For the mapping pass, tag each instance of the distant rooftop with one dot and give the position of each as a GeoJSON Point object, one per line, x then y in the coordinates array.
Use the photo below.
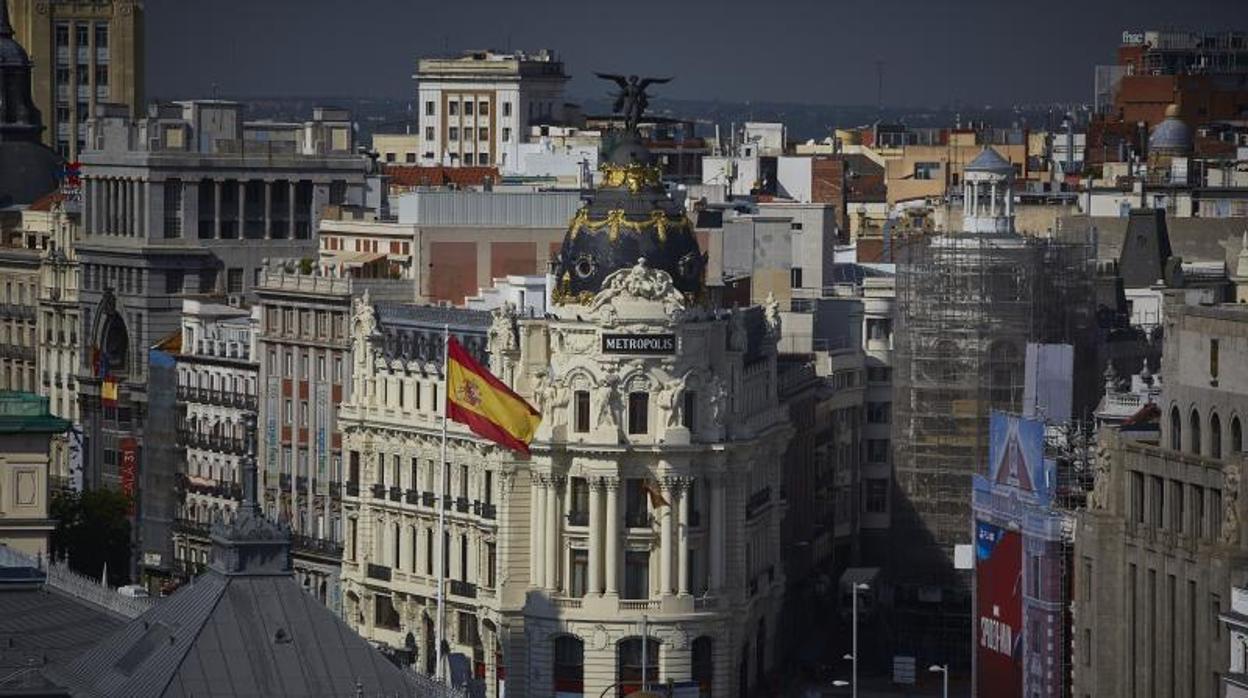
{"type": "Point", "coordinates": [28, 413]}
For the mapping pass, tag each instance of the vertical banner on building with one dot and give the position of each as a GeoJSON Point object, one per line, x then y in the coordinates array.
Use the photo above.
{"type": "Point", "coordinates": [322, 432]}
{"type": "Point", "coordinates": [999, 611]}
{"type": "Point", "coordinates": [128, 467]}
{"type": "Point", "coordinates": [273, 395]}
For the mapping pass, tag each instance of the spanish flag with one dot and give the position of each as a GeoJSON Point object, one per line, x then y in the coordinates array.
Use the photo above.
{"type": "Point", "coordinates": [491, 410]}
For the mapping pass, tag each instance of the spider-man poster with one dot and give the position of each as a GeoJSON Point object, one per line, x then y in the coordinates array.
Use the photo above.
{"type": "Point", "coordinates": [999, 622]}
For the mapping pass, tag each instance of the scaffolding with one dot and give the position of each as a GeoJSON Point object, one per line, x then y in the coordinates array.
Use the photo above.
{"type": "Point", "coordinates": [967, 306]}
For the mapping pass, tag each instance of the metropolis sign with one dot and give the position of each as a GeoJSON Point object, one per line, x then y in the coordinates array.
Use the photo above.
{"type": "Point", "coordinates": [638, 343]}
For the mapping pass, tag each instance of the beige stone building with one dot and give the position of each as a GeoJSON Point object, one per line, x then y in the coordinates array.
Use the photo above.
{"type": "Point", "coordinates": [84, 53]}
{"type": "Point", "coordinates": [1162, 546]}
{"type": "Point", "coordinates": [25, 427]}
{"type": "Point", "coordinates": [652, 498]}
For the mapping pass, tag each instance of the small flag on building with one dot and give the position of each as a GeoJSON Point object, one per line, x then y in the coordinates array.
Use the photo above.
{"type": "Point", "coordinates": [108, 392]}
{"type": "Point", "coordinates": [656, 495]}
{"type": "Point", "coordinates": [476, 397]}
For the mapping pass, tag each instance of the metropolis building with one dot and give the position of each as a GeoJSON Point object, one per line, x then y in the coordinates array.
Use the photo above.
{"type": "Point", "coordinates": [642, 534]}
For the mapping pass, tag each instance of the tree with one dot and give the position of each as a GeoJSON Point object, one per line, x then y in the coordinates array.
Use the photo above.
{"type": "Point", "coordinates": [93, 528]}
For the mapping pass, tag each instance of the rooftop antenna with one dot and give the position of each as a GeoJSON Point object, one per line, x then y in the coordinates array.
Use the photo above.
{"type": "Point", "coordinates": [879, 88]}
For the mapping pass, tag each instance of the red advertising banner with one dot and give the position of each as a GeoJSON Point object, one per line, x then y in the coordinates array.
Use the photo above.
{"type": "Point", "coordinates": [128, 466]}
{"type": "Point", "coordinates": [999, 602]}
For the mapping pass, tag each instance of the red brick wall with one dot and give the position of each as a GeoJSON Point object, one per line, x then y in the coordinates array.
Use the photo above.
{"type": "Point", "coordinates": [513, 258]}
{"type": "Point", "coordinates": [453, 272]}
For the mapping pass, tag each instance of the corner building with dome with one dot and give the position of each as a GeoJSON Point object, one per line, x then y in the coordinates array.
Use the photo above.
{"type": "Point", "coordinates": [650, 506]}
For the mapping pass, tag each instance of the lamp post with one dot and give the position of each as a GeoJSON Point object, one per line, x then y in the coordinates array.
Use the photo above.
{"type": "Point", "coordinates": [942, 669]}
{"type": "Point", "coordinates": [858, 586]}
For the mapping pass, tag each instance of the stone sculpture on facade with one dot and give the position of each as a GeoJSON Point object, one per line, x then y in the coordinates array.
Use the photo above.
{"type": "Point", "coordinates": [643, 283]}
{"type": "Point", "coordinates": [1230, 504]}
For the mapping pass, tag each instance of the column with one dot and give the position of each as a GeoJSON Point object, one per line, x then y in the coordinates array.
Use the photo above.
{"type": "Point", "coordinates": [595, 536]}
{"type": "Point", "coordinates": [992, 199]}
{"type": "Point", "coordinates": [110, 205]}
{"type": "Point", "coordinates": [290, 217]}
{"type": "Point", "coordinates": [717, 534]}
{"type": "Point", "coordinates": [682, 537]}
{"type": "Point", "coordinates": [665, 545]}
{"type": "Point", "coordinates": [554, 547]}
{"type": "Point", "coordinates": [612, 533]}
{"type": "Point", "coordinates": [216, 209]}
{"type": "Point", "coordinates": [539, 532]}
{"type": "Point", "coordinates": [242, 208]}
{"type": "Point", "coordinates": [145, 213]}
{"type": "Point", "coordinates": [135, 207]}
{"type": "Point", "coordinates": [268, 209]}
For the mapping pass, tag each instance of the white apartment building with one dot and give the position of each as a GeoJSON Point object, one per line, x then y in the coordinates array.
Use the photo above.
{"type": "Point", "coordinates": [651, 500]}
{"type": "Point", "coordinates": [475, 109]}
{"type": "Point", "coordinates": [57, 322]}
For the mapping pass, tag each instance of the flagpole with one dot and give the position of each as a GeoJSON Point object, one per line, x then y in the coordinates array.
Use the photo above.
{"type": "Point", "coordinates": [446, 398]}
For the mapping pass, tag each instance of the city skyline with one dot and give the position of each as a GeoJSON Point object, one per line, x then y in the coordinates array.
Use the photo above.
{"type": "Point", "coordinates": [972, 53]}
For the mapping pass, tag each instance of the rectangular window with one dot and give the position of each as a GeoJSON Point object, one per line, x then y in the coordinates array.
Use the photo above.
{"type": "Point", "coordinates": [491, 565]}
{"type": "Point", "coordinates": [579, 509]}
{"type": "Point", "coordinates": [879, 329]}
{"type": "Point", "coordinates": [452, 108]}
{"type": "Point", "coordinates": [483, 109]}
{"type": "Point", "coordinates": [506, 108]}
{"type": "Point", "coordinates": [468, 108]}
{"type": "Point", "coordinates": [234, 281]}
{"type": "Point", "coordinates": [62, 34]}
{"type": "Point", "coordinates": [452, 133]}
{"type": "Point", "coordinates": [429, 108]}
{"type": "Point", "coordinates": [483, 134]}
{"type": "Point", "coordinates": [638, 413]}
{"type": "Point", "coordinates": [1137, 496]}
{"type": "Point", "coordinates": [1177, 513]}
{"type": "Point", "coordinates": [1213, 360]}
{"type": "Point", "coordinates": [879, 412]}
{"type": "Point", "coordinates": [101, 76]}
{"type": "Point", "coordinates": [636, 513]}
{"type": "Point", "coordinates": [688, 415]}
{"type": "Point", "coordinates": [926, 170]}
{"type": "Point", "coordinates": [876, 498]}
{"type": "Point", "coordinates": [636, 574]}
{"type": "Point", "coordinates": [429, 133]}
{"type": "Point", "coordinates": [581, 405]}
{"type": "Point", "coordinates": [82, 36]}
{"type": "Point", "coordinates": [1198, 511]}
{"type": "Point", "coordinates": [506, 134]}
{"type": "Point", "coordinates": [173, 281]}
{"type": "Point", "coordinates": [580, 572]}
{"type": "Point", "coordinates": [101, 36]}
{"type": "Point", "coordinates": [795, 277]}
{"type": "Point", "coordinates": [173, 208]}
{"type": "Point", "coordinates": [1157, 506]}
{"type": "Point", "coordinates": [877, 450]}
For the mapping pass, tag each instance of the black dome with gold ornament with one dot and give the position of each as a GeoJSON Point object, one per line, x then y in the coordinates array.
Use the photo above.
{"type": "Point", "coordinates": [628, 217]}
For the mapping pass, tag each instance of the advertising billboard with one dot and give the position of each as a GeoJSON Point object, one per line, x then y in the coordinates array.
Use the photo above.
{"type": "Point", "coordinates": [999, 611]}
{"type": "Point", "coordinates": [1016, 459]}
{"type": "Point", "coordinates": [128, 468]}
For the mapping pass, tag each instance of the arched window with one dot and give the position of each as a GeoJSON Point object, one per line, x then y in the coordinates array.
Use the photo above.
{"type": "Point", "coordinates": [629, 664]}
{"type": "Point", "coordinates": [569, 669]}
{"type": "Point", "coordinates": [703, 670]}
{"type": "Point", "coordinates": [1237, 435]}
{"type": "Point", "coordinates": [1215, 435]}
{"type": "Point", "coordinates": [1176, 430]}
{"type": "Point", "coordinates": [1193, 425]}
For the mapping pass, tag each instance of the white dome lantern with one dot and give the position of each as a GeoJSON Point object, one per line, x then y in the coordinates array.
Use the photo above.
{"type": "Point", "coordinates": [988, 194]}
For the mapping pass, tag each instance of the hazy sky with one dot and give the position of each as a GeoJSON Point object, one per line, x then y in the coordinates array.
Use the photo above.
{"type": "Point", "coordinates": [935, 52]}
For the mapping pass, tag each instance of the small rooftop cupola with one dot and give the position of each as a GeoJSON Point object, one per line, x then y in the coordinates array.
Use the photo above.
{"type": "Point", "coordinates": [250, 544]}
{"type": "Point", "coordinates": [1172, 137]}
{"type": "Point", "coordinates": [988, 194]}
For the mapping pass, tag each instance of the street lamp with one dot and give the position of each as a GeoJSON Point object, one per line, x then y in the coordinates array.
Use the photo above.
{"type": "Point", "coordinates": [858, 586]}
{"type": "Point", "coordinates": [942, 670]}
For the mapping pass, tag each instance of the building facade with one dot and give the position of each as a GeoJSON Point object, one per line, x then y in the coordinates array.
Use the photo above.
{"type": "Point", "coordinates": [58, 325]}
{"type": "Point", "coordinates": [1161, 548]}
{"type": "Point", "coordinates": [26, 427]}
{"type": "Point", "coordinates": [476, 108]}
{"type": "Point", "coordinates": [640, 541]}
{"type": "Point", "coordinates": [85, 53]}
{"type": "Point", "coordinates": [304, 353]}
